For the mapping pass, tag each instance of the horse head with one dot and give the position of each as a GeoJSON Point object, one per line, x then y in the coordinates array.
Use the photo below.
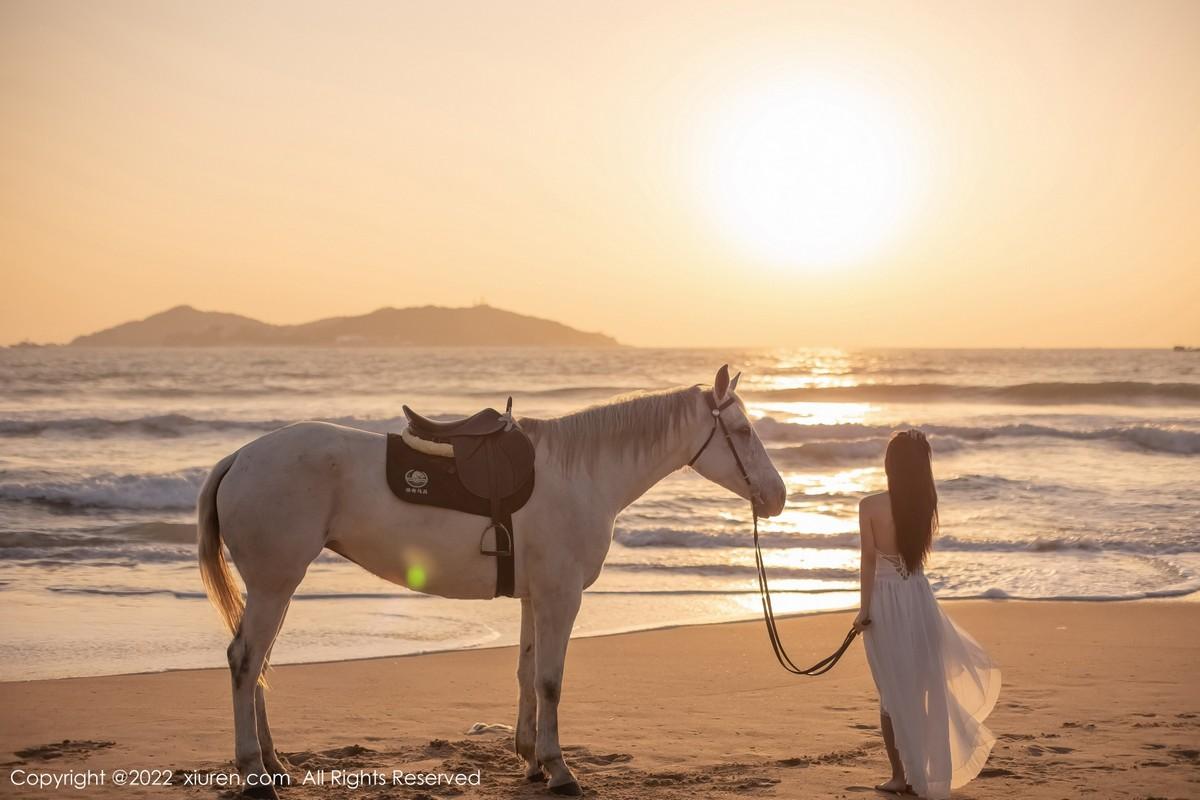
{"type": "Point", "coordinates": [730, 453]}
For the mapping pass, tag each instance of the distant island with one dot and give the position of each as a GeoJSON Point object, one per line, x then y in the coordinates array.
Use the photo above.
{"type": "Point", "coordinates": [481, 325]}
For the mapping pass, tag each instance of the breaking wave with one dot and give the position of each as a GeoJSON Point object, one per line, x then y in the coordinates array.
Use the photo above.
{"type": "Point", "coordinates": [850, 440]}
{"type": "Point", "coordinates": [821, 442]}
{"type": "Point", "coordinates": [1105, 392]}
{"type": "Point", "coordinates": [693, 539]}
{"type": "Point", "coordinates": [160, 425]}
{"type": "Point", "coordinates": [738, 570]}
{"type": "Point", "coordinates": [156, 491]}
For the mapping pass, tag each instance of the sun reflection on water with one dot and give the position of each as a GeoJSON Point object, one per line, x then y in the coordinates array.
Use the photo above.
{"type": "Point", "coordinates": [807, 521]}
{"type": "Point", "coordinates": [844, 482]}
{"type": "Point", "coordinates": [812, 380]}
{"type": "Point", "coordinates": [811, 558]}
{"type": "Point", "coordinates": [800, 413]}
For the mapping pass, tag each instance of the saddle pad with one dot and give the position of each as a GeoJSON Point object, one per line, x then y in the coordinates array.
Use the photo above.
{"type": "Point", "coordinates": [417, 477]}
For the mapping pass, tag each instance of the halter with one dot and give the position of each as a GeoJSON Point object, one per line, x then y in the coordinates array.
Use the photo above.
{"type": "Point", "coordinates": [785, 661]}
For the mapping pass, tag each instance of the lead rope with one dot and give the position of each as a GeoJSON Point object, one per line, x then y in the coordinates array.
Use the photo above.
{"type": "Point", "coordinates": [785, 661]}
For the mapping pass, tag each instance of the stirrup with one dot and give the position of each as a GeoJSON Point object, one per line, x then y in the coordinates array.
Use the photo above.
{"type": "Point", "coordinates": [508, 540]}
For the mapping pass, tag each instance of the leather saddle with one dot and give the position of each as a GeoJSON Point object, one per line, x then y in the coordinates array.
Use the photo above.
{"type": "Point", "coordinates": [484, 423]}
{"type": "Point", "coordinates": [493, 456]}
{"type": "Point", "coordinates": [482, 464]}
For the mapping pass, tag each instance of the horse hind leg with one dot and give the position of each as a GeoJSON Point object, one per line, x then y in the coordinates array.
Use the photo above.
{"type": "Point", "coordinates": [247, 657]}
{"type": "Point", "coordinates": [266, 743]}
{"type": "Point", "coordinates": [271, 761]}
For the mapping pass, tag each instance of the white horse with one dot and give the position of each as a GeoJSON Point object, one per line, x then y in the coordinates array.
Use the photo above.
{"type": "Point", "coordinates": [286, 496]}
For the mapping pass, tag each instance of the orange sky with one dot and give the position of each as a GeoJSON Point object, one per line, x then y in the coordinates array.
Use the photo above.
{"type": "Point", "coordinates": [296, 160]}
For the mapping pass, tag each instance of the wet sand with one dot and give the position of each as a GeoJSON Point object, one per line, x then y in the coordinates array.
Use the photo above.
{"type": "Point", "coordinates": [1099, 699]}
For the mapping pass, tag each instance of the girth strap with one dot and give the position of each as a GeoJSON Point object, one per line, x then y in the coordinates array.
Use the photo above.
{"type": "Point", "coordinates": [502, 526]}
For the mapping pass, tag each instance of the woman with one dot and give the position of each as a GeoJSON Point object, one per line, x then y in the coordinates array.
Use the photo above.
{"type": "Point", "coordinates": [936, 684]}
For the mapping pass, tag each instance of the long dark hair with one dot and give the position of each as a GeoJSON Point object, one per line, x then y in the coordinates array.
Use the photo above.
{"type": "Point", "coordinates": [909, 467]}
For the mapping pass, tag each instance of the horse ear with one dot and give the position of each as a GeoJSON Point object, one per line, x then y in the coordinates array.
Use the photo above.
{"type": "Point", "coordinates": [733, 383]}
{"type": "Point", "coordinates": [721, 383]}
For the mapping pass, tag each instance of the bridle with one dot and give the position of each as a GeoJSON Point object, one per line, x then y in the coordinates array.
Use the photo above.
{"type": "Point", "coordinates": [785, 661]}
{"type": "Point", "coordinates": [718, 422]}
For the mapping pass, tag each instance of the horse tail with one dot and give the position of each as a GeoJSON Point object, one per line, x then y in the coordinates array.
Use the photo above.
{"type": "Point", "coordinates": [219, 583]}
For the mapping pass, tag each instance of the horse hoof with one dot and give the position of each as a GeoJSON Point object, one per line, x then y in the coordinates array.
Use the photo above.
{"type": "Point", "coordinates": [568, 789]}
{"type": "Point", "coordinates": [537, 777]}
{"type": "Point", "coordinates": [261, 792]}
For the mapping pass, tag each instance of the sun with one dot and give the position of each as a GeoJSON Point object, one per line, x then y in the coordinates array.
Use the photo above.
{"type": "Point", "coordinates": [807, 173]}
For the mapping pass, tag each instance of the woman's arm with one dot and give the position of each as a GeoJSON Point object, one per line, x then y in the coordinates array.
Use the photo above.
{"type": "Point", "coordinates": [866, 573]}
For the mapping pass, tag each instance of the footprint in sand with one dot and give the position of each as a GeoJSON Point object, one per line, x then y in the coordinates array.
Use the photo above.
{"type": "Point", "coordinates": [1186, 755]}
{"type": "Point", "coordinates": [64, 749]}
{"type": "Point", "coordinates": [1037, 750]}
{"type": "Point", "coordinates": [670, 779]}
{"type": "Point", "coordinates": [605, 760]}
{"type": "Point", "coordinates": [337, 758]}
{"type": "Point", "coordinates": [753, 783]}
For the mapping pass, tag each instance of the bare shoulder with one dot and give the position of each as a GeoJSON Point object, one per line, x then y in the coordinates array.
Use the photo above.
{"type": "Point", "coordinates": [872, 504]}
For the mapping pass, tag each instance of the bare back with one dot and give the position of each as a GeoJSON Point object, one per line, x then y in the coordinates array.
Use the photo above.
{"type": "Point", "coordinates": [877, 513]}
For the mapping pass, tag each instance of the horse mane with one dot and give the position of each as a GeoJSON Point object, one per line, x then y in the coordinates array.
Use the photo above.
{"type": "Point", "coordinates": [641, 419]}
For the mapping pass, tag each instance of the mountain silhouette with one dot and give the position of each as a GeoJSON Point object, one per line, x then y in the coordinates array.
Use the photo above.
{"type": "Point", "coordinates": [481, 325]}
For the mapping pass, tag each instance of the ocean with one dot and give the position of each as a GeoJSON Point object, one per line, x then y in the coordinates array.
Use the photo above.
{"type": "Point", "coordinates": [1062, 474]}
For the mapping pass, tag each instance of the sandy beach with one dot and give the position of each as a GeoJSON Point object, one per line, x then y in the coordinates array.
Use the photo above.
{"type": "Point", "coordinates": [331, 314]}
{"type": "Point", "coordinates": [1099, 700]}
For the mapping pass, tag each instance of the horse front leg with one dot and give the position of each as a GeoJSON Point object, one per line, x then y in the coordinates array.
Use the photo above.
{"type": "Point", "coordinates": [527, 699]}
{"type": "Point", "coordinates": [553, 619]}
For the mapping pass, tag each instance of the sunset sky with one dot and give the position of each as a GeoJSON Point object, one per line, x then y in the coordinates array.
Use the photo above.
{"type": "Point", "coordinates": [692, 173]}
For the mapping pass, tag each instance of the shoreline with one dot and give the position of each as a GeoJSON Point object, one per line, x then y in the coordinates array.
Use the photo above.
{"type": "Point", "coordinates": [699, 710]}
{"type": "Point", "coordinates": [1188, 596]}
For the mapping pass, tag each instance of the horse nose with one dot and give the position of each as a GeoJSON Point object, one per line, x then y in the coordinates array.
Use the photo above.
{"type": "Point", "coordinates": [771, 502]}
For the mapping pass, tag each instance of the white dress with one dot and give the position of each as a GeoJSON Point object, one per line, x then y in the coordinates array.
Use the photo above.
{"type": "Point", "coordinates": [935, 682]}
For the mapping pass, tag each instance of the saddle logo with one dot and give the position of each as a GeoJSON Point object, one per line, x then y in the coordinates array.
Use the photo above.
{"type": "Point", "coordinates": [417, 480]}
